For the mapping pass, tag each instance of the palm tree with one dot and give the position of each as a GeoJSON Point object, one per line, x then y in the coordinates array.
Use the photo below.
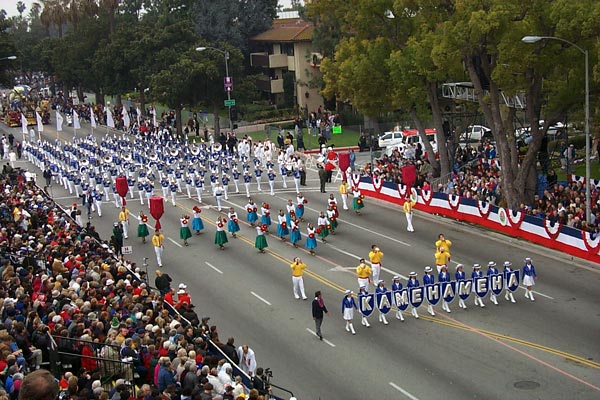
{"type": "Point", "coordinates": [53, 13]}
{"type": "Point", "coordinates": [111, 6]}
{"type": "Point", "coordinates": [20, 8]}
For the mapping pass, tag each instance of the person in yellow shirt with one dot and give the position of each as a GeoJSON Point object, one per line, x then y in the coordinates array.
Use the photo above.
{"type": "Point", "coordinates": [408, 211]}
{"type": "Point", "coordinates": [364, 273]}
{"type": "Point", "coordinates": [344, 187]}
{"type": "Point", "coordinates": [443, 242]}
{"type": "Point", "coordinates": [124, 219]}
{"type": "Point", "coordinates": [442, 258]}
{"type": "Point", "coordinates": [375, 256]}
{"type": "Point", "coordinates": [157, 241]}
{"type": "Point", "coordinates": [297, 281]}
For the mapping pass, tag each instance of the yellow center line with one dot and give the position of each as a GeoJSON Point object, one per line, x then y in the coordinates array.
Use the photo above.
{"type": "Point", "coordinates": [448, 323]}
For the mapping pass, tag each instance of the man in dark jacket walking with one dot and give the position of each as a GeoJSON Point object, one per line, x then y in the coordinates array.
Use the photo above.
{"type": "Point", "coordinates": [162, 282]}
{"type": "Point", "coordinates": [322, 177]}
{"type": "Point", "coordinates": [318, 311]}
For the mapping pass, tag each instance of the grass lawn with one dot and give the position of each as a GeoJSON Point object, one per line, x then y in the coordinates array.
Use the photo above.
{"type": "Point", "coordinates": [579, 170]}
{"type": "Point", "coordinates": [348, 137]}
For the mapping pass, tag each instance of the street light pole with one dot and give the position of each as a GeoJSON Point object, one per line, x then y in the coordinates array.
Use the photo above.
{"type": "Point", "coordinates": [588, 194]}
{"type": "Point", "coordinates": [226, 55]}
{"type": "Point", "coordinates": [8, 58]}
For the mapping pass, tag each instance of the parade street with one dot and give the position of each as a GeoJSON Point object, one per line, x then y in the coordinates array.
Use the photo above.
{"type": "Point", "coordinates": [546, 349]}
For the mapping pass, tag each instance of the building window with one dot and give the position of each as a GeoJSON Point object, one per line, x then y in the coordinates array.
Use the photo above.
{"type": "Point", "coordinates": [287, 48]}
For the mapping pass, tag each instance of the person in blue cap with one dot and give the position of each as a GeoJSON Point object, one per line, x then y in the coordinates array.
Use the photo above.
{"type": "Point", "coordinates": [397, 285]}
{"type": "Point", "coordinates": [413, 282]}
{"type": "Point", "coordinates": [508, 295]}
{"type": "Point", "coordinates": [529, 276]}
{"type": "Point", "coordinates": [492, 270]}
{"type": "Point", "coordinates": [477, 274]}
{"type": "Point", "coordinates": [348, 306]}
{"type": "Point", "coordinates": [429, 279]}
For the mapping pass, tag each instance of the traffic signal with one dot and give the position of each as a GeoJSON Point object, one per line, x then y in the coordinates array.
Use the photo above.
{"type": "Point", "coordinates": [233, 113]}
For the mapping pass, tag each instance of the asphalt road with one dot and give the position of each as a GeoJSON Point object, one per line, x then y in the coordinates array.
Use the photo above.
{"type": "Point", "coordinates": [547, 349]}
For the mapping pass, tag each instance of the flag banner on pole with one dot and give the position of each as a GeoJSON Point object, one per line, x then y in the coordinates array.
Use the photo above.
{"type": "Point", "coordinates": [139, 115]}
{"type": "Point", "coordinates": [40, 124]}
{"type": "Point", "coordinates": [24, 123]}
{"type": "Point", "coordinates": [92, 118]}
{"type": "Point", "coordinates": [126, 119]}
{"type": "Point", "coordinates": [59, 121]}
{"type": "Point", "coordinates": [76, 124]}
{"type": "Point", "coordinates": [110, 122]}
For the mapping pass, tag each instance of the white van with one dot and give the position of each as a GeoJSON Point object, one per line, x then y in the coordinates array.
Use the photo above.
{"type": "Point", "coordinates": [390, 139]}
{"type": "Point", "coordinates": [412, 137]}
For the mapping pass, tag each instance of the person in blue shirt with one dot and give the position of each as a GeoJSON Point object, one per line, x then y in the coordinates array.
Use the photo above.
{"type": "Point", "coordinates": [529, 276]}
{"type": "Point", "coordinates": [348, 307]}
{"type": "Point", "coordinates": [98, 202]}
{"type": "Point", "coordinates": [247, 180]}
{"type": "Point", "coordinates": [271, 175]}
{"type": "Point", "coordinates": [199, 185]}
{"type": "Point", "coordinates": [492, 270]}
{"type": "Point", "coordinates": [459, 275]}
{"type": "Point", "coordinates": [508, 295]}
{"type": "Point", "coordinates": [225, 182]}
{"type": "Point", "coordinates": [444, 276]}
{"type": "Point", "coordinates": [188, 185]}
{"type": "Point", "coordinates": [235, 174]}
{"type": "Point", "coordinates": [477, 274]}
{"type": "Point", "coordinates": [413, 282]}
{"type": "Point", "coordinates": [173, 189]}
{"type": "Point", "coordinates": [164, 183]}
{"type": "Point", "coordinates": [258, 172]}
{"type": "Point", "coordinates": [140, 188]}
{"type": "Point", "coordinates": [397, 285]}
{"type": "Point", "coordinates": [381, 289]}
{"type": "Point", "coordinates": [429, 279]}
{"type": "Point", "coordinates": [149, 190]}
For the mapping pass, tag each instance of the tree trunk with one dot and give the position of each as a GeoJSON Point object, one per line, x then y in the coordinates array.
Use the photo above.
{"type": "Point", "coordinates": [143, 102]}
{"type": "Point", "coordinates": [217, 125]}
{"type": "Point", "coordinates": [80, 93]}
{"type": "Point", "coordinates": [428, 148]}
{"type": "Point", "coordinates": [178, 123]}
{"type": "Point", "coordinates": [99, 97]}
{"type": "Point", "coordinates": [517, 174]}
{"type": "Point", "coordinates": [438, 124]}
{"type": "Point", "coordinates": [118, 100]}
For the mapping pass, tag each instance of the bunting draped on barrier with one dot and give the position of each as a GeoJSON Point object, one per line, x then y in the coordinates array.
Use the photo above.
{"type": "Point", "coordinates": [511, 222]}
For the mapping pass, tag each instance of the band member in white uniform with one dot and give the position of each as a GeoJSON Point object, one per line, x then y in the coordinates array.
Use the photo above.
{"type": "Point", "coordinates": [348, 306]}
{"type": "Point", "coordinates": [508, 295]}
{"type": "Point", "coordinates": [397, 285]}
{"type": "Point", "coordinates": [529, 276]}
{"type": "Point", "coordinates": [477, 274]}
{"type": "Point", "coordinates": [492, 270]}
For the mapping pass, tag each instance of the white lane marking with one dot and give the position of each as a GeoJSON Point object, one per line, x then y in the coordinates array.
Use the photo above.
{"type": "Point", "coordinates": [260, 298]}
{"type": "Point", "coordinates": [213, 267]}
{"type": "Point", "coordinates": [404, 392]}
{"type": "Point", "coordinates": [325, 340]}
{"type": "Point", "coordinates": [541, 294]}
{"type": "Point", "coordinates": [174, 242]}
{"type": "Point", "coordinates": [361, 227]}
{"type": "Point", "coordinates": [358, 258]}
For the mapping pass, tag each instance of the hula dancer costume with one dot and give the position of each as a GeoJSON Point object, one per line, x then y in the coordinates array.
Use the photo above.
{"type": "Point", "coordinates": [300, 202]}
{"type": "Point", "coordinates": [332, 202]}
{"type": "Point", "coordinates": [291, 212]}
{"type": "Point", "coordinates": [332, 218]}
{"type": "Point", "coordinates": [197, 224]}
{"type": "Point", "coordinates": [282, 227]}
{"type": "Point", "coordinates": [220, 235]}
{"type": "Point", "coordinates": [184, 232]}
{"type": "Point", "coordinates": [357, 201]}
{"type": "Point", "coordinates": [295, 235]}
{"type": "Point", "coordinates": [233, 225]}
{"type": "Point", "coordinates": [311, 240]}
{"type": "Point", "coordinates": [323, 224]}
{"type": "Point", "coordinates": [265, 218]}
{"type": "Point", "coordinates": [142, 230]}
{"type": "Point", "coordinates": [261, 241]}
{"type": "Point", "coordinates": [251, 209]}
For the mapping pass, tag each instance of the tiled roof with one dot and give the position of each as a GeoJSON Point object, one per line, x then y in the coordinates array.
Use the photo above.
{"type": "Point", "coordinates": [287, 30]}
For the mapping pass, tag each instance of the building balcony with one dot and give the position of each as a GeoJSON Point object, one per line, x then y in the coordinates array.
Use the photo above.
{"type": "Point", "coordinates": [270, 85]}
{"type": "Point", "coordinates": [266, 60]}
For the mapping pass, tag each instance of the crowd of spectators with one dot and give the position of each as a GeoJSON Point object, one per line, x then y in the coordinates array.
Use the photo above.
{"type": "Point", "coordinates": [477, 174]}
{"type": "Point", "coordinates": [66, 300]}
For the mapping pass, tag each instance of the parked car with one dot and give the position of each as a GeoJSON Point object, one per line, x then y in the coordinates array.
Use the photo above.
{"type": "Point", "coordinates": [554, 131]}
{"type": "Point", "coordinates": [475, 133]}
{"type": "Point", "coordinates": [411, 136]}
{"type": "Point", "coordinates": [390, 139]}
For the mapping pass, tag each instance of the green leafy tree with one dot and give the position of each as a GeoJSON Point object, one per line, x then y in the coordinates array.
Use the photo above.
{"type": "Point", "coordinates": [487, 40]}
